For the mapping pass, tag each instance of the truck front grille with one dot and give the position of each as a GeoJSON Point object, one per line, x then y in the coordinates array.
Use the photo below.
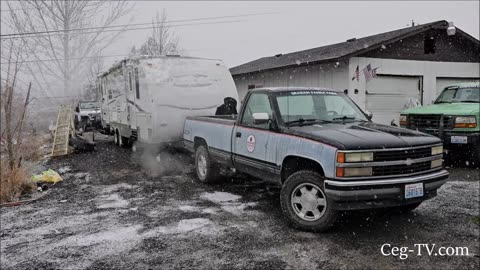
{"type": "Point", "coordinates": [401, 169]}
{"type": "Point", "coordinates": [429, 122]}
{"type": "Point", "coordinates": [403, 154]}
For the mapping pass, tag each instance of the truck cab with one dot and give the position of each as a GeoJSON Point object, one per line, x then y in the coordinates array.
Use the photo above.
{"type": "Point", "coordinates": [324, 152]}
{"type": "Point", "coordinates": [87, 114]}
{"type": "Point", "coordinates": [454, 117]}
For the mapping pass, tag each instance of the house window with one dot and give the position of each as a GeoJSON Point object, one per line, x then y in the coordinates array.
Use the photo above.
{"type": "Point", "coordinates": [137, 84]}
{"type": "Point", "coordinates": [429, 45]}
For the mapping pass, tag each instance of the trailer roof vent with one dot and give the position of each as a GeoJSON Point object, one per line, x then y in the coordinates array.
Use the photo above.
{"type": "Point", "coordinates": [351, 40]}
{"type": "Point", "coordinates": [278, 55]}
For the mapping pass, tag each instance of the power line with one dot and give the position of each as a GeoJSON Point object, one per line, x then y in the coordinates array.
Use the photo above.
{"type": "Point", "coordinates": [14, 9]}
{"type": "Point", "coordinates": [71, 58]}
{"type": "Point", "coordinates": [128, 25]}
{"type": "Point", "coordinates": [130, 29]}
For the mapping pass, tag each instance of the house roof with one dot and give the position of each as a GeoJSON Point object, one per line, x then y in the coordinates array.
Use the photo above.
{"type": "Point", "coordinates": [332, 52]}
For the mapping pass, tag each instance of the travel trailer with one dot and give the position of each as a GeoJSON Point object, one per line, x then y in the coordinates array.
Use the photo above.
{"type": "Point", "coordinates": [146, 99]}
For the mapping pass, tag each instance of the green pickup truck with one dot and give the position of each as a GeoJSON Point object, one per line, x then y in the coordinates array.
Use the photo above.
{"type": "Point", "coordinates": [454, 117]}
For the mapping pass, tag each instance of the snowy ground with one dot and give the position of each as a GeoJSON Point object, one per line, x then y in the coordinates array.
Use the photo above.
{"type": "Point", "coordinates": [109, 214]}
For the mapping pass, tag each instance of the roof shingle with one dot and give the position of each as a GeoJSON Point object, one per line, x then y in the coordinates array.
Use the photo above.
{"type": "Point", "coordinates": [330, 52]}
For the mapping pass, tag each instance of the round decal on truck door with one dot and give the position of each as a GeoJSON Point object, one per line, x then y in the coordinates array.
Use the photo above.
{"type": "Point", "coordinates": [250, 143]}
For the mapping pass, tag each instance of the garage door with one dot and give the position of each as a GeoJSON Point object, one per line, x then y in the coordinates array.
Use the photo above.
{"type": "Point", "coordinates": [388, 95]}
{"type": "Point", "coordinates": [444, 82]}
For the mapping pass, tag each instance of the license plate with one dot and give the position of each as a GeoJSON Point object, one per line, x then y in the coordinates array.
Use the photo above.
{"type": "Point", "coordinates": [458, 139]}
{"type": "Point", "coordinates": [413, 190]}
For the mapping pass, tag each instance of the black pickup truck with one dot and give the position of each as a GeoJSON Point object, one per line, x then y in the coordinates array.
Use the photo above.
{"type": "Point", "coordinates": [323, 150]}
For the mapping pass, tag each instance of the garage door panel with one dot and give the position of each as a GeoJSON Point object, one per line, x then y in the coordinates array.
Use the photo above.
{"type": "Point", "coordinates": [394, 85]}
{"type": "Point", "coordinates": [388, 95]}
{"type": "Point", "coordinates": [386, 103]}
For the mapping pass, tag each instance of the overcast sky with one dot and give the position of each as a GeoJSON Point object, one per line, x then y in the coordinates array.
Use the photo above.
{"type": "Point", "coordinates": [289, 26]}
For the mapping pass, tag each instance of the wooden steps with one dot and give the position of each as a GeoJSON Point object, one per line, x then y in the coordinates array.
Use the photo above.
{"type": "Point", "coordinates": [63, 129]}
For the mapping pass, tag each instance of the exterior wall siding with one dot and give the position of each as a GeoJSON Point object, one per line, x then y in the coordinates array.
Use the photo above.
{"type": "Point", "coordinates": [330, 75]}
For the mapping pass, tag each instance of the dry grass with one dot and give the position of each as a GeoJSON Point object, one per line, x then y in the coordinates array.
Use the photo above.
{"type": "Point", "coordinates": [14, 183]}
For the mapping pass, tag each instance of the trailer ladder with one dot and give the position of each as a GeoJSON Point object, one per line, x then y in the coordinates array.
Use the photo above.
{"type": "Point", "coordinates": [63, 129]}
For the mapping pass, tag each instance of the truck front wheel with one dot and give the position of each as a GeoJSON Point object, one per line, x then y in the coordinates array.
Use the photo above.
{"type": "Point", "coordinates": [207, 171]}
{"type": "Point", "coordinates": [304, 202]}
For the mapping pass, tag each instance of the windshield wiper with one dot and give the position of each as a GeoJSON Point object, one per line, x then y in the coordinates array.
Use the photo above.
{"type": "Point", "coordinates": [471, 101]}
{"type": "Point", "coordinates": [303, 121]}
{"type": "Point", "coordinates": [349, 118]}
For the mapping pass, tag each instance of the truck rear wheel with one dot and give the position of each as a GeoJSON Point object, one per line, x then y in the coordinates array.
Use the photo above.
{"type": "Point", "coordinates": [304, 202]}
{"type": "Point", "coordinates": [207, 171]}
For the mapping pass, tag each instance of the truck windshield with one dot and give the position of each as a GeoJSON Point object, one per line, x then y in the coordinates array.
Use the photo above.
{"type": "Point", "coordinates": [457, 95]}
{"type": "Point", "coordinates": [309, 107]}
{"type": "Point", "coordinates": [89, 105]}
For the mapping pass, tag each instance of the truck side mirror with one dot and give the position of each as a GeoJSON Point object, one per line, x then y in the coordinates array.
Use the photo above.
{"type": "Point", "coordinates": [260, 118]}
{"type": "Point", "coordinates": [369, 115]}
{"type": "Point", "coordinates": [77, 109]}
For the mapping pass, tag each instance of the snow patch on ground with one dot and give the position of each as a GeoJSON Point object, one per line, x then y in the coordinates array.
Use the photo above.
{"type": "Point", "coordinates": [65, 169]}
{"type": "Point", "coordinates": [227, 201]}
{"type": "Point", "coordinates": [116, 187]}
{"type": "Point", "coordinates": [111, 201]}
{"type": "Point", "coordinates": [189, 208]}
{"type": "Point", "coordinates": [115, 234]}
{"type": "Point", "coordinates": [219, 197]}
{"type": "Point", "coordinates": [237, 208]}
{"type": "Point", "coordinates": [210, 210]}
{"type": "Point", "coordinates": [194, 225]}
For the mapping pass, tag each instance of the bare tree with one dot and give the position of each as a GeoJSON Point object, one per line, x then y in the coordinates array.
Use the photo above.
{"type": "Point", "coordinates": [69, 32]}
{"type": "Point", "coordinates": [13, 111]}
{"type": "Point", "coordinates": [162, 39]}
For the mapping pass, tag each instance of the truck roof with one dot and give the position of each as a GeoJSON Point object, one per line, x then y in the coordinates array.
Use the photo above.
{"type": "Point", "coordinates": [465, 85]}
{"type": "Point", "coordinates": [294, 88]}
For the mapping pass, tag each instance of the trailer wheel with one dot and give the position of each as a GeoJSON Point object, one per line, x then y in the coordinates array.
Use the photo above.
{"type": "Point", "coordinates": [207, 171]}
{"type": "Point", "coordinates": [304, 202]}
{"type": "Point", "coordinates": [115, 137]}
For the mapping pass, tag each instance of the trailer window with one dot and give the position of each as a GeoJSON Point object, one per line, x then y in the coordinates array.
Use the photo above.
{"type": "Point", "coordinates": [137, 84]}
{"type": "Point", "coordinates": [130, 81]}
{"type": "Point", "coordinates": [104, 90]}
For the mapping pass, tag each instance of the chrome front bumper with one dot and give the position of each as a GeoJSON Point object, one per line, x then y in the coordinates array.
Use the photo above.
{"type": "Point", "coordinates": [346, 195]}
{"type": "Point", "coordinates": [403, 180]}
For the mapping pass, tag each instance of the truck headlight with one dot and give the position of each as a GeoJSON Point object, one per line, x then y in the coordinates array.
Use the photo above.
{"type": "Point", "coordinates": [361, 171]}
{"type": "Point", "coordinates": [437, 150]}
{"type": "Point", "coordinates": [355, 157]}
{"type": "Point", "coordinates": [465, 122]}
{"type": "Point", "coordinates": [403, 120]}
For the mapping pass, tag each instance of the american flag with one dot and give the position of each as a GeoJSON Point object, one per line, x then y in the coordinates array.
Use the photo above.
{"type": "Point", "coordinates": [357, 74]}
{"type": "Point", "coordinates": [369, 72]}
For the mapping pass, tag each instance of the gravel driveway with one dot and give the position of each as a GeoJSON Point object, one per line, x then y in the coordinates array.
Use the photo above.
{"type": "Point", "coordinates": [109, 213]}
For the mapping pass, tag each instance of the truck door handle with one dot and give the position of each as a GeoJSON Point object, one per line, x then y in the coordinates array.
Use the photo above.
{"type": "Point", "coordinates": [238, 134]}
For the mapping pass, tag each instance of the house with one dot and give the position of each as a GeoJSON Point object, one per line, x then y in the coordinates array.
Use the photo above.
{"type": "Point", "coordinates": [383, 73]}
